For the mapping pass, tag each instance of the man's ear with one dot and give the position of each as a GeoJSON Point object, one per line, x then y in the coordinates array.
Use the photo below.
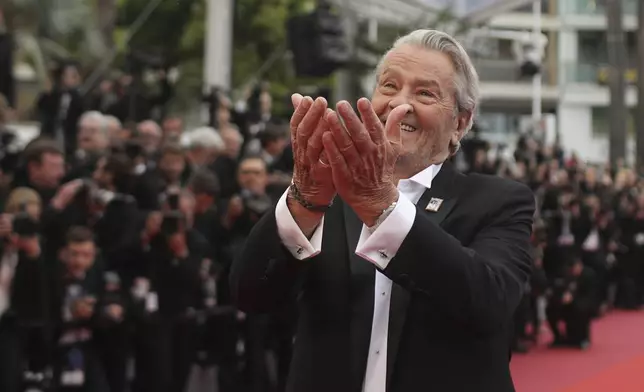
{"type": "Point", "coordinates": [463, 119]}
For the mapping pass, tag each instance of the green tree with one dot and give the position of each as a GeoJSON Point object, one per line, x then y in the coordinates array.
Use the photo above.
{"type": "Point", "coordinates": [259, 31]}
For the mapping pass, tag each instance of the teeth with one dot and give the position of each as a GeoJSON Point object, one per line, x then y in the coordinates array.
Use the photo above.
{"type": "Point", "coordinates": [407, 128]}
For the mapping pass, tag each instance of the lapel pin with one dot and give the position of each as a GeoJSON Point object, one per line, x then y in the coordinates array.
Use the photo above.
{"type": "Point", "coordinates": [434, 204]}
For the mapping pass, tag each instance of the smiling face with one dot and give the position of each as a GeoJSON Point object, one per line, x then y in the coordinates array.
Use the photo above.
{"type": "Point", "coordinates": [423, 79]}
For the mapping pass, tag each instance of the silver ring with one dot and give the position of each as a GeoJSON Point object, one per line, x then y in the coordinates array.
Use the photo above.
{"type": "Point", "coordinates": [323, 163]}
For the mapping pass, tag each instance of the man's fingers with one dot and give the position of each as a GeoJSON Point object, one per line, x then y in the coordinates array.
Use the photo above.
{"type": "Point", "coordinates": [323, 159]}
{"type": "Point", "coordinates": [342, 140]}
{"type": "Point", "coordinates": [299, 114]}
{"type": "Point", "coordinates": [310, 122]}
{"type": "Point", "coordinates": [354, 126]}
{"type": "Point", "coordinates": [371, 121]}
{"type": "Point", "coordinates": [392, 129]}
{"type": "Point", "coordinates": [341, 172]}
{"type": "Point", "coordinates": [296, 99]}
{"type": "Point", "coordinates": [314, 146]}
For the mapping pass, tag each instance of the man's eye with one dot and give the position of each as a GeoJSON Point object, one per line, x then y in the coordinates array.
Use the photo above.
{"type": "Point", "coordinates": [389, 85]}
{"type": "Point", "coordinates": [426, 93]}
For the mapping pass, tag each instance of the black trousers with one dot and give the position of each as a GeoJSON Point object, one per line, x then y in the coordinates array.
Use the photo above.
{"type": "Point", "coordinates": [220, 339]}
{"type": "Point", "coordinates": [164, 352]}
{"type": "Point", "coordinates": [10, 356]}
{"type": "Point", "coordinates": [114, 348]}
{"type": "Point", "coordinates": [576, 319]}
{"type": "Point", "coordinates": [95, 380]}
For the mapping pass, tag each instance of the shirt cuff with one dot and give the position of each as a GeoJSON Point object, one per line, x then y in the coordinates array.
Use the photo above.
{"type": "Point", "coordinates": [291, 235]}
{"type": "Point", "coordinates": [382, 245]}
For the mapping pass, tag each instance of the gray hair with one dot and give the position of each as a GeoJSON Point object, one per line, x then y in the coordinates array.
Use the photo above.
{"type": "Point", "coordinates": [152, 125]}
{"type": "Point", "coordinates": [111, 120]}
{"type": "Point", "coordinates": [466, 81]}
{"type": "Point", "coordinates": [203, 137]}
{"type": "Point", "coordinates": [97, 117]}
{"type": "Point", "coordinates": [233, 130]}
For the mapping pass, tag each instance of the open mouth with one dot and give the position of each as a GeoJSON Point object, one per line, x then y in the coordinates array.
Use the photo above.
{"type": "Point", "coordinates": [403, 126]}
{"type": "Point", "coordinates": [407, 128]}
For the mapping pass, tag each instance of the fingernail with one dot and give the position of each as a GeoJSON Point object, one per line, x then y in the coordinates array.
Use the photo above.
{"type": "Point", "coordinates": [307, 102]}
{"type": "Point", "coordinates": [343, 106]}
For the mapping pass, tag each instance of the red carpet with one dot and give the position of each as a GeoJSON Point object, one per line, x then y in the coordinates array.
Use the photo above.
{"type": "Point", "coordinates": [614, 362]}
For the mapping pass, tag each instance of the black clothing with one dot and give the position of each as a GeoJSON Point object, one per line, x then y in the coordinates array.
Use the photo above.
{"type": "Point", "coordinates": [458, 277]}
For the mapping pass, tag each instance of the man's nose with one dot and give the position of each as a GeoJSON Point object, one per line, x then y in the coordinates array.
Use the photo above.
{"type": "Point", "coordinates": [400, 99]}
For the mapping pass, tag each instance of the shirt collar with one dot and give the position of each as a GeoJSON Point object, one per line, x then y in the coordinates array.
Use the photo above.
{"type": "Point", "coordinates": [426, 176]}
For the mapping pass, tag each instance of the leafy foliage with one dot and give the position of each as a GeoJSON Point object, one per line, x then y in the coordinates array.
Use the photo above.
{"type": "Point", "coordinates": [177, 28]}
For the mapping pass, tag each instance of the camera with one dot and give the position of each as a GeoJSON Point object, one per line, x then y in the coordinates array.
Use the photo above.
{"type": "Point", "coordinates": [172, 217]}
{"type": "Point", "coordinates": [91, 194]}
{"type": "Point", "coordinates": [23, 224]}
{"type": "Point", "coordinates": [171, 223]}
{"type": "Point", "coordinates": [173, 201]}
{"type": "Point", "coordinates": [134, 150]}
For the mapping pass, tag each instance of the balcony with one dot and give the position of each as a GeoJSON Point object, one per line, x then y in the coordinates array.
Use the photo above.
{"type": "Point", "coordinates": [587, 84]}
{"type": "Point", "coordinates": [596, 74]}
{"type": "Point", "coordinates": [499, 70]}
{"type": "Point", "coordinates": [502, 89]}
{"type": "Point", "coordinates": [592, 7]}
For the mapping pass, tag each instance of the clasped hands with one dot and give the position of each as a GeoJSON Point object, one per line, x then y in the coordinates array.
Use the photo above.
{"type": "Point", "coordinates": [335, 152]}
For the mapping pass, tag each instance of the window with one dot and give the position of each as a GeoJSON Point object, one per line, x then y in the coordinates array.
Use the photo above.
{"type": "Point", "coordinates": [593, 47]}
{"type": "Point", "coordinates": [545, 5]}
{"type": "Point", "coordinates": [601, 121]}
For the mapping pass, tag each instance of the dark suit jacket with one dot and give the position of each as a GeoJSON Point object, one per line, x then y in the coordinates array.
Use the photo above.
{"type": "Point", "coordinates": [458, 277]}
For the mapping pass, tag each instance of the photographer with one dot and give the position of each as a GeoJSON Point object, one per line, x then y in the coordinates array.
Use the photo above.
{"type": "Point", "coordinates": [629, 267]}
{"type": "Point", "coordinates": [573, 301]}
{"type": "Point", "coordinates": [114, 212]}
{"type": "Point", "coordinates": [172, 170]}
{"type": "Point", "coordinates": [60, 108]}
{"type": "Point", "coordinates": [219, 332]}
{"type": "Point", "coordinates": [167, 292]}
{"type": "Point", "coordinates": [247, 207]}
{"type": "Point", "coordinates": [144, 183]}
{"type": "Point", "coordinates": [78, 291]}
{"type": "Point", "coordinates": [102, 203]}
{"type": "Point", "coordinates": [60, 350]}
{"type": "Point", "coordinates": [262, 332]}
{"type": "Point", "coordinates": [23, 335]}
{"type": "Point", "coordinates": [44, 167]}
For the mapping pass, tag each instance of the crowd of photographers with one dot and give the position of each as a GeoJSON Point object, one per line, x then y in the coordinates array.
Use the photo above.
{"type": "Point", "coordinates": [116, 245]}
{"type": "Point", "coordinates": [588, 241]}
{"type": "Point", "coordinates": [117, 240]}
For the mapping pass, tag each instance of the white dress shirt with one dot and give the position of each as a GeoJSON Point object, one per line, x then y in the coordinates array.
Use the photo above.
{"type": "Point", "coordinates": [8, 266]}
{"type": "Point", "coordinates": [377, 245]}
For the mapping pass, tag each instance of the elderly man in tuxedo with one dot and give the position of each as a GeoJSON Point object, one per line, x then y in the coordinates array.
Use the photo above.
{"type": "Point", "coordinates": [407, 273]}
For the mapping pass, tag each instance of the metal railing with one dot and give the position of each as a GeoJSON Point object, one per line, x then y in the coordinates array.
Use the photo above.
{"type": "Point", "coordinates": [593, 7]}
{"type": "Point", "coordinates": [499, 70]}
{"type": "Point", "coordinates": [593, 73]}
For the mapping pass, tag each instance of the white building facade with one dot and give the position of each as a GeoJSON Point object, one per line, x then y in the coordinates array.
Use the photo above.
{"type": "Point", "coordinates": [574, 89]}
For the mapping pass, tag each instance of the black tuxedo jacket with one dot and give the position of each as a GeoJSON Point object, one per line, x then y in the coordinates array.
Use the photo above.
{"type": "Point", "coordinates": [458, 277]}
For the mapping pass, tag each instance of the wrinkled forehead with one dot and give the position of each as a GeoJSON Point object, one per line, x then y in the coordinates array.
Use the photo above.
{"type": "Point", "coordinates": [415, 62]}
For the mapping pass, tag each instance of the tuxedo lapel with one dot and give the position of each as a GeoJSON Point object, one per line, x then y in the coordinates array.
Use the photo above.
{"type": "Point", "coordinates": [362, 281]}
{"type": "Point", "coordinates": [444, 193]}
